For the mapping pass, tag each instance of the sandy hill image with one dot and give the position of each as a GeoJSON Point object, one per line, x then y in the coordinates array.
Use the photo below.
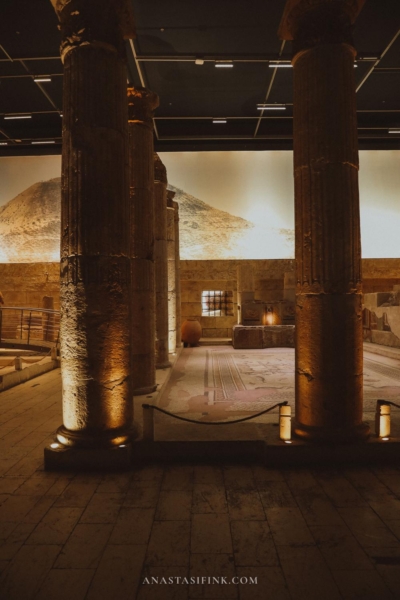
{"type": "Point", "coordinates": [206, 232]}
{"type": "Point", "coordinates": [30, 229]}
{"type": "Point", "coordinates": [30, 224]}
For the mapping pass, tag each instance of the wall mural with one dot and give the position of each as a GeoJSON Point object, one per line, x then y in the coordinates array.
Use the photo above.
{"type": "Point", "coordinates": [233, 205]}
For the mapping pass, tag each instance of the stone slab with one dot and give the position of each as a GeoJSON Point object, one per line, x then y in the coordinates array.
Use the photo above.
{"type": "Point", "coordinates": [263, 336]}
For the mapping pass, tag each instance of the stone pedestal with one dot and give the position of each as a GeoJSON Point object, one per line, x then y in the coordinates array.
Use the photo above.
{"type": "Point", "coordinates": [328, 254]}
{"type": "Point", "coordinates": [141, 103]}
{"type": "Point", "coordinates": [161, 263]}
{"type": "Point", "coordinates": [171, 271]}
{"type": "Point", "coordinates": [95, 265]}
{"type": "Point", "coordinates": [178, 319]}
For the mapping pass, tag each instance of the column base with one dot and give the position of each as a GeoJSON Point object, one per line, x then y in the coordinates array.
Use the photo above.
{"type": "Point", "coordinates": [60, 457]}
{"type": "Point", "coordinates": [145, 390]}
{"type": "Point", "coordinates": [331, 435]}
{"type": "Point", "coordinates": [164, 365]}
{"type": "Point", "coordinates": [110, 438]}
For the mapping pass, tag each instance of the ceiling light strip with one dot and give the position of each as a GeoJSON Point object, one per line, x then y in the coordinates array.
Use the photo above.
{"type": "Point", "coordinates": [9, 117]}
{"type": "Point", "coordinates": [271, 107]}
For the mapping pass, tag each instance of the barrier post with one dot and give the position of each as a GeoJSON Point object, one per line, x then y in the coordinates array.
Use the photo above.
{"type": "Point", "coordinates": [382, 419]}
{"type": "Point", "coordinates": [285, 418]}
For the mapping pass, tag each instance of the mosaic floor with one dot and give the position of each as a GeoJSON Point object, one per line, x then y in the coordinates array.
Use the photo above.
{"type": "Point", "coordinates": [231, 383]}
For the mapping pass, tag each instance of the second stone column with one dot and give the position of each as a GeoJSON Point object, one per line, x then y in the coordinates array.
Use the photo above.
{"type": "Point", "coordinates": [171, 272]}
{"type": "Point", "coordinates": [329, 401]}
{"type": "Point", "coordinates": [161, 260]}
{"type": "Point", "coordinates": [141, 103]}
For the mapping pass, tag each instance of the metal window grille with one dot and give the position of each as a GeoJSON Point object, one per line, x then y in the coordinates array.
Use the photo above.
{"type": "Point", "coordinates": [216, 303]}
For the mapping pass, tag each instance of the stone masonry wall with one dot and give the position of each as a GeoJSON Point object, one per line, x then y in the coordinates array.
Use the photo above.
{"type": "Point", "coordinates": [26, 284]}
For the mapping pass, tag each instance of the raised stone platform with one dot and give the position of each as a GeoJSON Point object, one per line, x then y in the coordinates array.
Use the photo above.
{"type": "Point", "coordinates": [263, 336]}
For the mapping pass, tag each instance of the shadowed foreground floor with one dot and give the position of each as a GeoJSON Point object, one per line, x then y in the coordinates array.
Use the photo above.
{"type": "Point", "coordinates": [304, 534]}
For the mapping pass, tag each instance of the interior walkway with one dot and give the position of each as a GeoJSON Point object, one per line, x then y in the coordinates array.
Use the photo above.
{"type": "Point", "coordinates": [303, 533]}
{"type": "Point", "coordinates": [219, 383]}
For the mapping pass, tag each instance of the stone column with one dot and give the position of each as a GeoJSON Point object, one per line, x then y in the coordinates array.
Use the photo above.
{"type": "Point", "coordinates": [141, 103]}
{"type": "Point", "coordinates": [95, 265]}
{"type": "Point", "coordinates": [245, 286]}
{"type": "Point", "coordinates": [161, 263]}
{"type": "Point", "coordinates": [171, 272]}
{"type": "Point", "coordinates": [328, 252]}
{"type": "Point", "coordinates": [177, 277]}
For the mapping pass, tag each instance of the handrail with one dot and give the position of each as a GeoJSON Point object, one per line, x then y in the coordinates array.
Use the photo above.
{"type": "Point", "coordinates": [32, 308]}
{"type": "Point", "coordinates": [29, 325]}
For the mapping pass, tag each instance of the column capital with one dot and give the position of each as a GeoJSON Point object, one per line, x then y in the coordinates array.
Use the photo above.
{"type": "Point", "coordinates": [170, 199]}
{"type": "Point", "coordinates": [310, 23]}
{"type": "Point", "coordinates": [160, 172]}
{"type": "Point", "coordinates": [141, 104]}
{"type": "Point", "coordinates": [97, 22]}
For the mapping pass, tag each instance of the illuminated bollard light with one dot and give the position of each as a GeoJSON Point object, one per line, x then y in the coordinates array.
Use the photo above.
{"type": "Point", "coordinates": [382, 419]}
{"type": "Point", "coordinates": [148, 423]}
{"type": "Point", "coordinates": [285, 413]}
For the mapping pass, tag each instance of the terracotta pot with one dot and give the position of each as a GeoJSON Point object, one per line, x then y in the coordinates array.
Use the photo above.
{"type": "Point", "coordinates": [191, 331]}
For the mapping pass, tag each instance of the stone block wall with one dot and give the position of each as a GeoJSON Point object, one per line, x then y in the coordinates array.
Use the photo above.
{"type": "Point", "coordinates": [201, 275]}
{"type": "Point", "coordinates": [380, 274]}
{"type": "Point", "coordinates": [26, 284]}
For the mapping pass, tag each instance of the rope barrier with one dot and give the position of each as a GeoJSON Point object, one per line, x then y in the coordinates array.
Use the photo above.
{"type": "Point", "coordinates": [388, 402]}
{"type": "Point", "coordinates": [8, 364]}
{"type": "Point", "coordinates": [166, 412]}
{"type": "Point", "coordinates": [33, 362]}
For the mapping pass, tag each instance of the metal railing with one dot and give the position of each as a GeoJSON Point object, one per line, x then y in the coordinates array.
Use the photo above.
{"type": "Point", "coordinates": [29, 326]}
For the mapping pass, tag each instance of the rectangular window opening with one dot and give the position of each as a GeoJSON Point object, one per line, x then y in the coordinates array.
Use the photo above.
{"type": "Point", "coordinates": [216, 303]}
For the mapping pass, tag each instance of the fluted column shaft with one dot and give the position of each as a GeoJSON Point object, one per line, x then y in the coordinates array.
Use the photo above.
{"type": "Point", "coordinates": [95, 274]}
{"type": "Point", "coordinates": [328, 250]}
{"type": "Point", "coordinates": [161, 263]}
{"type": "Point", "coordinates": [141, 103]}
{"type": "Point", "coordinates": [171, 272]}
{"type": "Point", "coordinates": [178, 311]}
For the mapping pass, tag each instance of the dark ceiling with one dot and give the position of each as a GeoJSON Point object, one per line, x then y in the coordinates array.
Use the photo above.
{"type": "Point", "coordinates": [171, 35]}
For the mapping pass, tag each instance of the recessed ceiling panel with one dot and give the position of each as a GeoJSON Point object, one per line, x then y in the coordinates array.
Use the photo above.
{"type": "Point", "coordinates": [205, 128]}
{"type": "Point", "coordinates": [186, 89]}
{"type": "Point", "coordinates": [21, 95]}
{"type": "Point", "coordinates": [380, 91]}
{"type": "Point", "coordinates": [208, 26]}
{"type": "Point", "coordinates": [31, 28]}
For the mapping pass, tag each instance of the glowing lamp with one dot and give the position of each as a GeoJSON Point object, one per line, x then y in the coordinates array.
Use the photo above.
{"type": "Point", "coordinates": [382, 420]}
{"type": "Point", "coordinates": [285, 418]}
{"type": "Point", "coordinates": [269, 317]}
